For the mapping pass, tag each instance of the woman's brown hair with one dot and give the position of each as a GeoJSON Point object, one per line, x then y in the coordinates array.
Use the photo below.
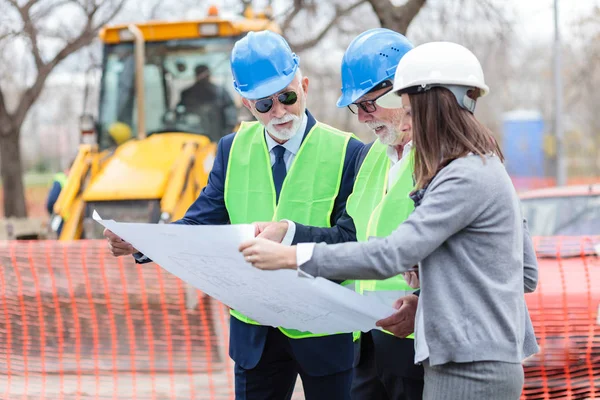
{"type": "Point", "coordinates": [443, 131]}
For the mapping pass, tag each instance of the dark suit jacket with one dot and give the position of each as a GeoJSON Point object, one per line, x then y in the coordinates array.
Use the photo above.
{"type": "Point", "coordinates": [317, 356]}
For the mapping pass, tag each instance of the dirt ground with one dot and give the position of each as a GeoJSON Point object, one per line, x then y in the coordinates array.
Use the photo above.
{"type": "Point", "coordinates": [124, 386]}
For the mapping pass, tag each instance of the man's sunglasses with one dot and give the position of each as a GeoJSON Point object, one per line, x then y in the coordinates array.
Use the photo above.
{"type": "Point", "coordinates": [285, 98]}
{"type": "Point", "coordinates": [367, 106]}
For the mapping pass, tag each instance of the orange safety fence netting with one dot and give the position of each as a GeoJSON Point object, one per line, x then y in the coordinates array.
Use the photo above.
{"type": "Point", "coordinates": [77, 323]}
{"type": "Point", "coordinates": [565, 310]}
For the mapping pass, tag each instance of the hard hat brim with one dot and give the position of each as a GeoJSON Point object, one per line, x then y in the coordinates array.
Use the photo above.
{"type": "Point", "coordinates": [350, 96]}
{"type": "Point", "coordinates": [390, 100]}
{"type": "Point", "coordinates": [268, 88]}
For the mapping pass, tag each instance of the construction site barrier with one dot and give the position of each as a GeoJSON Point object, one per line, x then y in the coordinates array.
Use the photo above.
{"type": "Point", "coordinates": [77, 323]}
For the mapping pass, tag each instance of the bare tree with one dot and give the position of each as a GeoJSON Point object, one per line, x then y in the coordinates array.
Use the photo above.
{"type": "Point", "coordinates": [582, 92]}
{"type": "Point", "coordinates": [324, 17]}
{"type": "Point", "coordinates": [396, 18]}
{"type": "Point", "coordinates": [65, 26]}
{"type": "Point", "coordinates": [311, 9]}
{"type": "Point", "coordinates": [390, 16]}
{"type": "Point", "coordinates": [485, 26]}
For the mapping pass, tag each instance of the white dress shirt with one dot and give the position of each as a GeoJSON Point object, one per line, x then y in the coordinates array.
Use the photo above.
{"type": "Point", "coordinates": [292, 147]}
{"type": "Point", "coordinates": [395, 164]}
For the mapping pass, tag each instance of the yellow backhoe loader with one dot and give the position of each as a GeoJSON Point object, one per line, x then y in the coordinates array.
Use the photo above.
{"type": "Point", "coordinates": [166, 98]}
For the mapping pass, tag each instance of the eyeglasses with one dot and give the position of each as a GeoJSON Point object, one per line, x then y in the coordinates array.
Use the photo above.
{"type": "Point", "coordinates": [367, 106]}
{"type": "Point", "coordinates": [285, 98]}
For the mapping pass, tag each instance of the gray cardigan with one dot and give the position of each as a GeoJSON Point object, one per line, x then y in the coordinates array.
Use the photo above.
{"type": "Point", "coordinates": [475, 262]}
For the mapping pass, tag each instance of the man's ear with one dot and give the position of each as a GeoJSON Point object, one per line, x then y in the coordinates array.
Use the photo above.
{"type": "Point", "coordinates": [246, 104]}
{"type": "Point", "coordinates": [305, 85]}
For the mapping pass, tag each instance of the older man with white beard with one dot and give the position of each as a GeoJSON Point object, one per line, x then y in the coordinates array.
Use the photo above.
{"type": "Point", "coordinates": [284, 166]}
{"type": "Point", "coordinates": [378, 204]}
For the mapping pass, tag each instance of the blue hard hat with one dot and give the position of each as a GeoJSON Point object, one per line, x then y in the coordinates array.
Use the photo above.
{"type": "Point", "coordinates": [370, 59]}
{"type": "Point", "coordinates": [262, 64]}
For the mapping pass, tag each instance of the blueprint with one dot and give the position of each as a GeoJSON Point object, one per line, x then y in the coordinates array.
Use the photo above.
{"type": "Point", "coordinates": [207, 257]}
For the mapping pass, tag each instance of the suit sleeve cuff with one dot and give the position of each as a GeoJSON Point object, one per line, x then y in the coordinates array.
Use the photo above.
{"type": "Point", "coordinates": [289, 235]}
{"type": "Point", "coordinates": [141, 258]}
{"type": "Point", "coordinates": [304, 252]}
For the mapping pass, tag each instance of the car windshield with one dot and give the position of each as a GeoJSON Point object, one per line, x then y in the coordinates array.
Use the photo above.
{"type": "Point", "coordinates": [563, 216]}
{"type": "Point", "coordinates": [188, 87]}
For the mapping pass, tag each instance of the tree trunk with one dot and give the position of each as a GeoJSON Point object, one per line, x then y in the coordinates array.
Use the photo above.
{"type": "Point", "coordinates": [396, 18]}
{"type": "Point", "coordinates": [12, 175]}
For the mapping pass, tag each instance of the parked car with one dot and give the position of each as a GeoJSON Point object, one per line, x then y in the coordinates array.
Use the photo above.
{"type": "Point", "coordinates": [565, 309]}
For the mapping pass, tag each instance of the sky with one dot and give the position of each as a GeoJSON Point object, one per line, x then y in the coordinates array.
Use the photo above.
{"type": "Point", "coordinates": [536, 17]}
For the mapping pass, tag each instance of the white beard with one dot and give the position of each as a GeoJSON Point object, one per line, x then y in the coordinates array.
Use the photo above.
{"type": "Point", "coordinates": [286, 133]}
{"type": "Point", "coordinates": [388, 136]}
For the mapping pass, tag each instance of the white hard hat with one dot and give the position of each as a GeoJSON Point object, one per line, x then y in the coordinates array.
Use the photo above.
{"type": "Point", "coordinates": [435, 64]}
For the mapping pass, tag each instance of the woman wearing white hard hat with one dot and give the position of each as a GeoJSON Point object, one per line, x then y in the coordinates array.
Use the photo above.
{"type": "Point", "coordinates": [467, 235]}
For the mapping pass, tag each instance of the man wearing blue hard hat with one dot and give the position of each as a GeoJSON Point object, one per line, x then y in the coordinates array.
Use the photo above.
{"type": "Point", "coordinates": [285, 166]}
{"type": "Point", "coordinates": [378, 204]}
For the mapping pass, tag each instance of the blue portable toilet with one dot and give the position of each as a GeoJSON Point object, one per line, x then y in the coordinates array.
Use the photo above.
{"type": "Point", "coordinates": [523, 146]}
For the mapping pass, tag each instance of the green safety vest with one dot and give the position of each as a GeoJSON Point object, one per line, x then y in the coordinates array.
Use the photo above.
{"type": "Point", "coordinates": [61, 178]}
{"type": "Point", "coordinates": [308, 192]}
{"type": "Point", "coordinates": [377, 212]}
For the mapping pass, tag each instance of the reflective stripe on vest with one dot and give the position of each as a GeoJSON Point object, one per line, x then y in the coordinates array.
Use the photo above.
{"type": "Point", "coordinates": [308, 193]}
{"type": "Point", "coordinates": [377, 213]}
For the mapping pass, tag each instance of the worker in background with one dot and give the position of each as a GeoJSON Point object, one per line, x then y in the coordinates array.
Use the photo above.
{"type": "Point", "coordinates": [379, 202]}
{"type": "Point", "coordinates": [58, 182]}
{"type": "Point", "coordinates": [212, 103]}
{"type": "Point", "coordinates": [266, 171]}
{"type": "Point", "coordinates": [119, 133]}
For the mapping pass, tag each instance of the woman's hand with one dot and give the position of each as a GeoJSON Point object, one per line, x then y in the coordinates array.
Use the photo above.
{"type": "Point", "coordinates": [402, 323]}
{"type": "Point", "coordinates": [268, 255]}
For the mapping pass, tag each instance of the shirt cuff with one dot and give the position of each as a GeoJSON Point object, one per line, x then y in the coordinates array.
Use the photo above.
{"type": "Point", "coordinates": [304, 252]}
{"type": "Point", "coordinates": [289, 235]}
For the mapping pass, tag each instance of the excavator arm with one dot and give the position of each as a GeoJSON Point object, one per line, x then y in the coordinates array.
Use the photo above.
{"type": "Point", "coordinates": [69, 208]}
{"type": "Point", "coordinates": [188, 176]}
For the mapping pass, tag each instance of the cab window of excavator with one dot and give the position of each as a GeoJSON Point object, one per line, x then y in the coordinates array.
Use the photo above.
{"type": "Point", "coordinates": [117, 95]}
{"type": "Point", "coordinates": [201, 98]}
{"type": "Point", "coordinates": [188, 88]}
{"type": "Point", "coordinates": [118, 101]}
